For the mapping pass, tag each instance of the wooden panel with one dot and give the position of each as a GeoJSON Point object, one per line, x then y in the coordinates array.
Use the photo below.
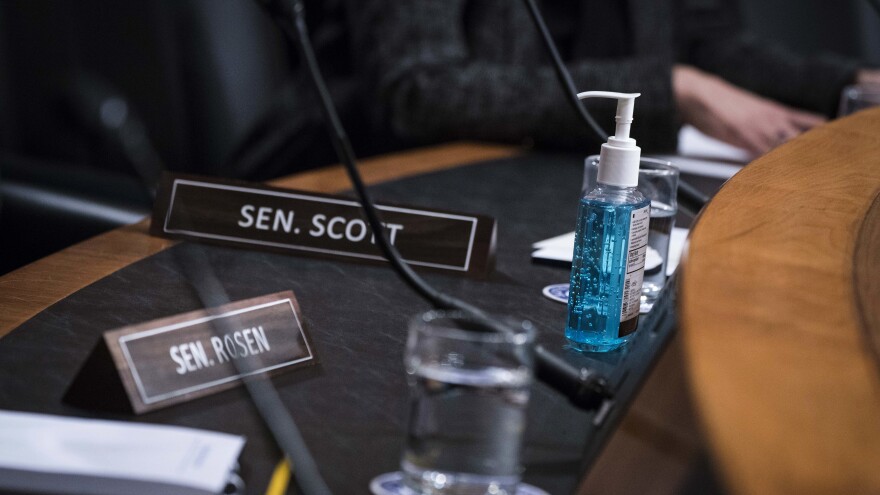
{"type": "Point", "coordinates": [783, 375]}
{"type": "Point", "coordinates": [30, 289]}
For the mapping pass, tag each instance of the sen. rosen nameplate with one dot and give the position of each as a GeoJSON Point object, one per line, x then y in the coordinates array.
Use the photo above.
{"type": "Point", "coordinates": [263, 217]}
{"type": "Point", "coordinates": [178, 358]}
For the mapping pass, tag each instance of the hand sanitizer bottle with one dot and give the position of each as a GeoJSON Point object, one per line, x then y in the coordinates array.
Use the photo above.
{"type": "Point", "coordinates": [610, 243]}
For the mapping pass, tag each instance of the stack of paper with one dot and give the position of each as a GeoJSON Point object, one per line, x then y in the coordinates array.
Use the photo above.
{"type": "Point", "coordinates": [42, 453]}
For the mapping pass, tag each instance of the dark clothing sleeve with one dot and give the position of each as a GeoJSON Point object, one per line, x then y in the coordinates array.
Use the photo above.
{"type": "Point", "coordinates": [711, 37]}
{"type": "Point", "coordinates": [435, 79]}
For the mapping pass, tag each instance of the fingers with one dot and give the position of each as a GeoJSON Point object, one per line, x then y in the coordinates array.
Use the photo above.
{"type": "Point", "coordinates": [741, 118]}
{"type": "Point", "coordinates": [756, 141]}
{"type": "Point", "coordinates": [786, 130]}
{"type": "Point", "coordinates": [805, 120]}
{"type": "Point", "coordinates": [767, 132]}
{"type": "Point", "coordinates": [786, 124]}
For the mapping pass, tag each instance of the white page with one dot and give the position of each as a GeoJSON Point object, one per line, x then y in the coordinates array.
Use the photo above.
{"type": "Point", "coordinates": [699, 154]}
{"type": "Point", "coordinates": [692, 142]}
{"type": "Point", "coordinates": [703, 167]}
{"type": "Point", "coordinates": [560, 241]}
{"type": "Point", "coordinates": [112, 449]}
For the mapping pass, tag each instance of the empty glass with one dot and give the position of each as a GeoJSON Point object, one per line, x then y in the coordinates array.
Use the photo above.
{"type": "Point", "coordinates": [658, 181]}
{"type": "Point", "coordinates": [469, 387]}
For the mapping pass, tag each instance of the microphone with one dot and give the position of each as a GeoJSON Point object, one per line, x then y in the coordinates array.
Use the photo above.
{"type": "Point", "coordinates": [105, 111]}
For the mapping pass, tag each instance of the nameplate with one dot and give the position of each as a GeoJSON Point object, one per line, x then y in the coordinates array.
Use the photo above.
{"type": "Point", "coordinates": [263, 217]}
{"type": "Point", "coordinates": [179, 358]}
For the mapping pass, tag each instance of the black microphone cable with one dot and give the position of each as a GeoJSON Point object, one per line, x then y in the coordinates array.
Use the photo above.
{"type": "Point", "coordinates": [565, 80]}
{"type": "Point", "coordinates": [297, 31]}
{"type": "Point", "coordinates": [584, 387]}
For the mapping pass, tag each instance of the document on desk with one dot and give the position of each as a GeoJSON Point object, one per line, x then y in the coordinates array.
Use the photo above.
{"type": "Point", "coordinates": [44, 453]}
{"type": "Point", "coordinates": [704, 156]}
{"type": "Point", "coordinates": [692, 142]}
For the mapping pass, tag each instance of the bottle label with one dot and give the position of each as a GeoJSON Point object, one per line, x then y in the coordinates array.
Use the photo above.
{"type": "Point", "coordinates": [635, 263]}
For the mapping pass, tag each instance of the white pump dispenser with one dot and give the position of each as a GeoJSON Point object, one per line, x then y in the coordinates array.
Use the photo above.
{"type": "Point", "coordinates": [619, 158]}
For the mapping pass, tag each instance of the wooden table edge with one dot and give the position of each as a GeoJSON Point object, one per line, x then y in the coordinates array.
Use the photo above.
{"type": "Point", "coordinates": [693, 304]}
{"type": "Point", "coordinates": [27, 291]}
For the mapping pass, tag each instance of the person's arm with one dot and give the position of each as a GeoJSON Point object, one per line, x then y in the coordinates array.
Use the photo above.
{"type": "Point", "coordinates": [734, 115]}
{"type": "Point", "coordinates": [432, 86]}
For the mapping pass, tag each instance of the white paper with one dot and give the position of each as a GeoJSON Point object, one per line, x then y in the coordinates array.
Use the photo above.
{"type": "Point", "coordinates": [703, 167]}
{"type": "Point", "coordinates": [561, 248]}
{"type": "Point", "coordinates": [699, 154]}
{"type": "Point", "coordinates": [112, 450]}
{"type": "Point", "coordinates": [562, 240]}
{"type": "Point", "coordinates": [692, 142]}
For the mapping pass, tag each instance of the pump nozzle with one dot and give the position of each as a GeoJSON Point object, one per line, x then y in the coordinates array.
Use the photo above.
{"type": "Point", "coordinates": [626, 103]}
{"type": "Point", "coordinates": [619, 159]}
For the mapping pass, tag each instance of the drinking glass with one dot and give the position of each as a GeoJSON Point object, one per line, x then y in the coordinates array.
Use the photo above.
{"type": "Point", "coordinates": [858, 97]}
{"type": "Point", "coordinates": [469, 387]}
{"type": "Point", "coordinates": [658, 181]}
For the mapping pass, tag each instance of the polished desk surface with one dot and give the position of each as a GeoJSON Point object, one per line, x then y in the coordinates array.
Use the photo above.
{"type": "Point", "coordinates": [657, 437]}
{"type": "Point", "coordinates": [780, 314]}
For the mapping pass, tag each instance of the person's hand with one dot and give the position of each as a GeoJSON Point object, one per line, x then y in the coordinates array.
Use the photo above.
{"type": "Point", "coordinates": [734, 115]}
{"type": "Point", "coordinates": [868, 76]}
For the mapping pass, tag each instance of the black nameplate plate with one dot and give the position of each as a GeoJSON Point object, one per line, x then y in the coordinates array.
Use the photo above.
{"type": "Point", "coordinates": [179, 358]}
{"type": "Point", "coordinates": [264, 217]}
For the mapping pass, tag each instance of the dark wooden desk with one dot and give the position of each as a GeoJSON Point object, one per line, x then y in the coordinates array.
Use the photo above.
{"type": "Point", "coordinates": [780, 311]}
{"type": "Point", "coordinates": [656, 438]}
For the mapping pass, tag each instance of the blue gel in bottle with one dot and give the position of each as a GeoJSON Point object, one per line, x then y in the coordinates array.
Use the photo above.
{"type": "Point", "coordinates": [601, 316]}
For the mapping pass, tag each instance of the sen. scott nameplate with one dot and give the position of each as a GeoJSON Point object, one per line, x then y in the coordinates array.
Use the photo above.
{"type": "Point", "coordinates": [174, 359]}
{"type": "Point", "coordinates": [262, 217]}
